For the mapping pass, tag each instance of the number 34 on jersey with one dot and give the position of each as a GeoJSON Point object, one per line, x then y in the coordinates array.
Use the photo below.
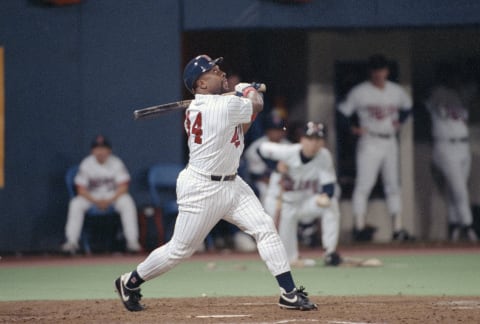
{"type": "Point", "coordinates": [196, 130]}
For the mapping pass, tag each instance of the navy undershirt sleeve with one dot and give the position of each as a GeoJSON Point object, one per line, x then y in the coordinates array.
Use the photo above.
{"type": "Point", "coordinates": [328, 189]}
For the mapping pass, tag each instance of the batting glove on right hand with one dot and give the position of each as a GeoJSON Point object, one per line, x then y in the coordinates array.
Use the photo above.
{"type": "Point", "coordinates": [242, 89]}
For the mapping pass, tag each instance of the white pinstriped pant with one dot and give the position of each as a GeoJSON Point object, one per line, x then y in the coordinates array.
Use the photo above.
{"type": "Point", "coordinates": [454, 160]}
{"type": "Point", "coordinates": [202, 203]}
{"type": "Point", "coordinates": [306, 211]}
{"type": "Point", "coordinates": [124, 205]}
{"type": "Point", "coordinates": [376, 155]}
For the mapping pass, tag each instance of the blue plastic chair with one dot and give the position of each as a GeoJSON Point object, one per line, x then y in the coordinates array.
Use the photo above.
{"type": "Point", "coordinates": [162, 181]}
{"type": "Point", "coordinates": [93, 212]}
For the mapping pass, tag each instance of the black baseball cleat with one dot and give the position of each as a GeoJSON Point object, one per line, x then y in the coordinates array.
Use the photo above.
{"type": "Point", "coordinates": [296, 299]}
{"type": "Point", "coordinates": [333, 259]}
{"type": "Point", "coordinates": [365, 234]}
{"type": "Point", "coordinates": [130, 297]}
{"type": "Point", "coordinates": [402, 236]}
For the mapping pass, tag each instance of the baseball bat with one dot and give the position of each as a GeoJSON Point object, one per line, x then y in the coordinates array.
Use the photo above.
{"type": "Point", "coordinates": [153, 111]}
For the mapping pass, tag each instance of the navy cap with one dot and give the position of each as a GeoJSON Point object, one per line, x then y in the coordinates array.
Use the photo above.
{"type": "Point", "coordinates": [275, 121]}
{"type": "Point", "coordinates": [100, 141]}
{"type": "Point", "coordinates": [377, 61]}
{"type": "Point", "coordinates": [314, 130]}
{"type": "Point", "coordinates": [196, 67]}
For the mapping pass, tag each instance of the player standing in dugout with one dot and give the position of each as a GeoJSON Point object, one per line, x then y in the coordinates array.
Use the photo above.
{"type": "Point", "coordinates": [382, 107]}
{"type": "Point", "coordinates": [209, 189]}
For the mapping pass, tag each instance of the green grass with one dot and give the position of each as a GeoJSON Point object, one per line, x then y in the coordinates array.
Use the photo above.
{"type": "Point", "coordinates": [450, 274]}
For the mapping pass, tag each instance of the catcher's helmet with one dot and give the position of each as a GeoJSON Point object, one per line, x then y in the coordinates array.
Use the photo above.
{"type": "Point", "coordinates": [195, 68]}
{"type": "Point", "coordinates": [317, 130]}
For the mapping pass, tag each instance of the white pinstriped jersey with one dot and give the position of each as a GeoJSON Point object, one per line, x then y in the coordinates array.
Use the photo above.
{"type": "Point", "coordinates": [449, 114]}
{"type": "Point", "coordinates": [215, 136]}
{"type": "Point", "coordinates": [307, 177]}
{"type": "Point", "coordinates": [377, 108]}
{"type": "Point", "coordinates": [102, 180]}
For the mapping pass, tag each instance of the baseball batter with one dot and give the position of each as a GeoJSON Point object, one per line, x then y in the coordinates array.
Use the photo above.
{"type": "Point", "coordinates": [309, 192]}
{"type": "Point", "coordinates": [209, 189]}
{"type": "Point", "coordinates": [102, 182]}
{"type": "Point", "coordinates": [382, 106]}
{"type": "Point", "coordinates": [451, 155]}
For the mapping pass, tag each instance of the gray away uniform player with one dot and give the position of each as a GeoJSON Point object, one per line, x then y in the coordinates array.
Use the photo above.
{"type": "Point", "coordinates": [209, 189]}
{"type": "Point", "coordinates": [451, 156]}
{"type": "Point", "coordinates": [382, 106]}
{"type": "Point", "coordinates": [308, 191]}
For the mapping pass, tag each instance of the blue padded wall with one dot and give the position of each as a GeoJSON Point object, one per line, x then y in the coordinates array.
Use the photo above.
{"type": "Point", "coordinates": [72, 72]}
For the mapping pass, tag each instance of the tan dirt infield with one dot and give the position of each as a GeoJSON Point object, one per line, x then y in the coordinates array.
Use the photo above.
{"type": "Point", "coordinates": [332, 310]}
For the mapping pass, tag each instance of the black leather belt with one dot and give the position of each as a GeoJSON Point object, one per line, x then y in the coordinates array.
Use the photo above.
{"type": "Point", "coordinates": [453, 140]}
{"type": "Point", "coordinates": [229, 177]}
{"type": "Point", "coordinates": [458, 140]}
{"type": "Point", "coordinates": [381, 135]}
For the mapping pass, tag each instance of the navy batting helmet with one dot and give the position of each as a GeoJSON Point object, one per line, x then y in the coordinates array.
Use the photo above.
{"type": "Point", "coordinates": [196, 67]}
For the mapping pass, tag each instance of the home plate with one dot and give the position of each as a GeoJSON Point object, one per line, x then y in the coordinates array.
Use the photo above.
{"type": "Point", "coordinates": [223, 316]}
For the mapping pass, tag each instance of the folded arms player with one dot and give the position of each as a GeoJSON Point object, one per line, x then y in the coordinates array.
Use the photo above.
{"type": "Point", "coordinates": [382, 106]}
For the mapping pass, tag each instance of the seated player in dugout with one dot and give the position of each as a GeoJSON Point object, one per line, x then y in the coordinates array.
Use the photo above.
{"type": "Point", "coordinates": [308, 192]}
{"type": "Point", "coordinates": [209, 188]}
{"type": "Point", "coordinates": [102, 182]}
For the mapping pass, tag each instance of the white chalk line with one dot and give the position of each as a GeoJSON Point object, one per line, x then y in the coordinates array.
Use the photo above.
{"type": "Point", "coordinates": [348, 322]}
{"type": "Point", "coordinates": [256, 304]}
{"type": "Point", "coordinates": [460, 304]}
{"type": "Point", "coordinates": [224, 316]}
{"type": "Point", "coordinates": [295, 321]}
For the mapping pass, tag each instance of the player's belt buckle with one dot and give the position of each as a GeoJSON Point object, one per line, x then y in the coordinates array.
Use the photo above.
{"type": "Point", "coordinates": [458, 140]}
{"type": "Point", "coordinates": [229, 177]}
{"type": "Point", "coordinates": [381, 135]}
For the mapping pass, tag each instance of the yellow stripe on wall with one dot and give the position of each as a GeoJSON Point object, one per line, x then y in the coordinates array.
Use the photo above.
{"type": "Point", "coordinates": [2, 120]}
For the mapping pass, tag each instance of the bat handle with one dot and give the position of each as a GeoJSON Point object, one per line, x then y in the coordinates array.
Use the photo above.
{"type": "Point", "coordinates": [260, 87]}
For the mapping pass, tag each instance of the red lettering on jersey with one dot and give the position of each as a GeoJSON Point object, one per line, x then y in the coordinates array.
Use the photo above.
{"type": "Point", "coordinates": [109, 183]}
{"type": "Point", "coordinates": [307, 185]}
{"type": "Point", "coordinates": [381, 112]}
{"type": "Point", "coordinates": [236, 139]}
{"type": "Point", "coordinates": [456, 113]}
{"type": "Point", "coordinates": [196, 128]}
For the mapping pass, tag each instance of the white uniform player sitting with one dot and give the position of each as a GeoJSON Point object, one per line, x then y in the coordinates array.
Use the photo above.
{"type": "Point", "coordinates": [382, 106]}
{"type": "Point", "coordinates": [308, 191]}
{"type": "Point", "coordinates": [102, 181]}
{"type": "Point", "coordinates": [451, 152]}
